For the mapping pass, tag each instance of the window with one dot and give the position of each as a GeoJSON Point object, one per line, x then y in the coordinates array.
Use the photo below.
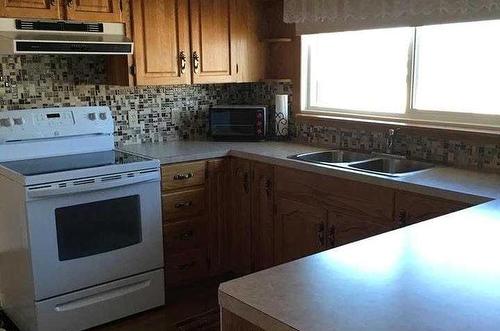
{"type": "Point", "coordinates": [440, 73]}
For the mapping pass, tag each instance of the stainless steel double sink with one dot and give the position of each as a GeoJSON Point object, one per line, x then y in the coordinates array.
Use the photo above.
{"type": "Point", "coordinates": [386, 165]}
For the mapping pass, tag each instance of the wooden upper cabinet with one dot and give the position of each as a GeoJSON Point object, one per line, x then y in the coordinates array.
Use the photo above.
{"type": "Point", "coordinates": [213, 53]}
{"type": "Point", "coordinates": [161, 36]}
{"type": "Point", "coordinates": [49, 9]}
{"type": "Point", "coordinates": [94, 10]}
{"type": "Point", "coordinates": [300, 230]}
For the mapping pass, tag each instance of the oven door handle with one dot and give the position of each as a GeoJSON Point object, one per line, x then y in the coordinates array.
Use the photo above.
{"type": "Point", "coordinates": [83, 186]}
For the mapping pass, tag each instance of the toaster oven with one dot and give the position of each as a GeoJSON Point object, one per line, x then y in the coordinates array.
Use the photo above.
{"type": "Point", "coordinates": [239, 123]}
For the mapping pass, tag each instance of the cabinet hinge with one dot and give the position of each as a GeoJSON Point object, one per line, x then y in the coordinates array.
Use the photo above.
{"type": "Point", "coordinates": [133, 70]}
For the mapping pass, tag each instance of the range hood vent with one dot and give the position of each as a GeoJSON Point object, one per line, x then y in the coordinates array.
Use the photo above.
{"type": "Point", "coordinates": [62, 37]}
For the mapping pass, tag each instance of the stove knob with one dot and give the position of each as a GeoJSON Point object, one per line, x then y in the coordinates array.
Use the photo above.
{"type": "Point", "coordinates": [92, 116]}
{"type": "Point", "coordinates": [103, 116]}
{"type": "Point", "coordinates": [5, 122]}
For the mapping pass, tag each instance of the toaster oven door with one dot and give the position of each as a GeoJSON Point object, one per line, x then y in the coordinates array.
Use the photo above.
{"type": "Point", "coordinates": [236, 124]}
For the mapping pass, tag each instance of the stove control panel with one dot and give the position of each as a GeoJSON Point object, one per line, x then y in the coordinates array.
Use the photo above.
{"type": "Point", "coordinates": [22, 125]}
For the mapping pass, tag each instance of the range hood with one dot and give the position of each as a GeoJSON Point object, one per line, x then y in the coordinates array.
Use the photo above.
{"type": "Point", "coordinates": [62, 37]}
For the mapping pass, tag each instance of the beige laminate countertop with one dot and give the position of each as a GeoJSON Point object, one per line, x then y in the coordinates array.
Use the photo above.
{"type": "Point", "coordinates": [438, 275]}
{"type": "Point", "coordinates": [449, 183]}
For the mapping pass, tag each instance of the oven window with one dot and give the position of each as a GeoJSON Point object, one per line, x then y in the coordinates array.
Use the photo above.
{"type": "Point", "coordinates": [98, 227]}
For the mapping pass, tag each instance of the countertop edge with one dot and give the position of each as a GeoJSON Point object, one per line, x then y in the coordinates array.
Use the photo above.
{"type": "Point", "coordinates": [251, 314]}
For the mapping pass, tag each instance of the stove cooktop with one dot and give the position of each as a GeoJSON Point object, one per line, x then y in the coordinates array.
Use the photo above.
{"type": "Point", "coordinates": [56, 164]}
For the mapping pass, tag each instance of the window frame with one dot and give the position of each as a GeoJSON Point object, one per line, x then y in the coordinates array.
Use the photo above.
{"type": "Point", "coordinates": [411, 114]}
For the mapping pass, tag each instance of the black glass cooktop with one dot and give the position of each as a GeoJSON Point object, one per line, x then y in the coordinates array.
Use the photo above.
{"type": "Point", "coordinates": [71, 162]}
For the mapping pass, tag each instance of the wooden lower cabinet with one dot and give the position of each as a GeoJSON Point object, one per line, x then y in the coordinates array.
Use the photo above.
{"type": "Point", "coordinates": [345, 228]}
{"type": "Point", "coordinates": [241, 216]}
{"type": "Point", "coordinates": [262, 193]}
{"type": "Point", "coordinates": [218, 214]}
{"type": "Point", "coordinates": [232, 322]}
{"type": "Point", "coordinates": [413, 208]}
{"type": "Point", "coordinates": [300, 230]}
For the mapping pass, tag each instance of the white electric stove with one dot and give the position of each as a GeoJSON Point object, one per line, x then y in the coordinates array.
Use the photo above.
{"type": "Point", "coordinates": [80, 222]}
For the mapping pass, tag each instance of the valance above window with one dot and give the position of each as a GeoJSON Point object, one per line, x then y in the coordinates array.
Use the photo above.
{"type": "Point", "coordinates": [337, 15]}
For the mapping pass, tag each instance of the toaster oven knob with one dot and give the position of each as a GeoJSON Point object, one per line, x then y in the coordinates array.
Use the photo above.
{"type": "Point", "coordinates": [259, 131]}
{"type": "Point", "coordinates": [259, 116]}
{"type": "Point", "coordinates": [92, 116]}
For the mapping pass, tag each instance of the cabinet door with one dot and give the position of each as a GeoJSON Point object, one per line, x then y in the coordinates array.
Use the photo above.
{"type": "Point", "coordinates": [346, 228]}
{"type": "Point", "coordinates": [248, 37]}
{"type": "Point", "coordinates": [300, 230]}
{"type": "Point", "coordinates": [218, 207]}
{"type": "Point", "coordinates": [262, 216]}
{"type": "Point", "coordinates": [30, 8]}
{"type": "Point", "coordinates": [412, 208]}
{"type": "Point", "coordinates": [161, 37]}
{"type": "Point", "coordinates": [241, 216]}
{"type": "Point", "coordinates": [94, 10]}
{"type": "Point", "coordinates": [213, 51]}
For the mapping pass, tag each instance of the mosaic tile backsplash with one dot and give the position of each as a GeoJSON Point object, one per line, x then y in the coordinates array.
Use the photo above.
{"type": "Point", "coordinates": [170, 113]}
{"type": "Point", "coordinates": [464, 154]}
{"type": "Point", "coordinates": [165, 113]}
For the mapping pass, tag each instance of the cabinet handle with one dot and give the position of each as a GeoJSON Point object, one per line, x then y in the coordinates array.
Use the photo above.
{"type": "Point", "coordinates": [184, 176]}
{"type": "Point", "coordinates": [331, 236]}
{"type": "Point", "coordinates": [186, 235]}
{"type": "Point", "coordinates": [196, 63]}
{"type": "Point", "coordinates": [182, 62]}
{"type": "Point", "coordinates": [402, 220]}
{"type": "Point", "coordinates": [269, 188]}
{"type": "Point", "coordinates": [321, 234]}
{"type": "Point", "coordinates": [183, 204]}
{"type": "Point", "coordinates": [186, 266]}
{"type": "Point", "coordinates": [246, 183]}
{"type": "Point", "coordinates": [69, 3]}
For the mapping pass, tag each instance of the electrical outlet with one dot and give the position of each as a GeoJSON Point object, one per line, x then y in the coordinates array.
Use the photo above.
{"type": "Point", "coordinates": [133, 118]}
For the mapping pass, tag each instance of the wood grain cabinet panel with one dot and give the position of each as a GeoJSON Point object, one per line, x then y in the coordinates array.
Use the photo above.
{"type": "Point", "coordinates": [49, 9]}
{"type": "Point", "coordinates": [369, 201]}
{"type": "Point", "coordinates": [184, 235]}
{"type": "Point", "coordinates": [300, 230]}
{"type": "Point", "coordinates": [161, 37]}
{"type": "Point", "coordinates": [183, 175]}
{"type": "Point", "coordinates": [94, 10]}
{"type": "Point", "coordinates": [218, 212]}
{"type": "Point", "coordinates": [347, 228]}
{"type": "Point", "coordinates": [185, 267]}
{"type": "Point", "coordinates": [241, 216]}
{"type": "Point", "coordinates": [213, 52]}
{"type": "Point", "coordinates": [262, 216]}
{"type": "Point", "coordinates": [177, 205]}
{"type": "Point", "coordinates": [413, 208]}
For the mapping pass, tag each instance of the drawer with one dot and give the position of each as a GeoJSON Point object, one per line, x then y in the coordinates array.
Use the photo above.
{"type": "Point", "coordinates": [183, 175]}
{"type": "Point", "coordinates": [185, 267]}
{"type": "Point", "coordinates": [185, 235]}
{"type": "Point", "coordinates": [183, 204]}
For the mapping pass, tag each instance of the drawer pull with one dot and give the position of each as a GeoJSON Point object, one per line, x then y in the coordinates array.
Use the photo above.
{"type": "Point", "coordinates": [186, 235]}
{"type": "Point", "coordinates": [180, 205]}
{"type": "Point", "coordinates": [184, 176]}
{"type": "Point", "coordinates": [186, 266]}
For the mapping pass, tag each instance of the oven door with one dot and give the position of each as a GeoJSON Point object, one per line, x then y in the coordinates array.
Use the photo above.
{"type": "Point", "coordinates": [94, 232]}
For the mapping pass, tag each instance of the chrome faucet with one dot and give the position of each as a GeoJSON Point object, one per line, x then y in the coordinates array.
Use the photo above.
{"type": "Point", "coordinates": [390, 140]}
